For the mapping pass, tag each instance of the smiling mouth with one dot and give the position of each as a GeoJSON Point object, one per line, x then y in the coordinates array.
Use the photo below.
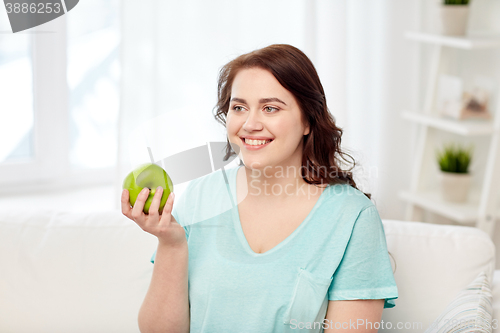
{"type": "Point", "coordinates": [256, 143]}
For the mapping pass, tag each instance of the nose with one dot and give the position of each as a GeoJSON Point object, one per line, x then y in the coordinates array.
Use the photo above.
{"type": "Point", "coordinates": [253, 122]}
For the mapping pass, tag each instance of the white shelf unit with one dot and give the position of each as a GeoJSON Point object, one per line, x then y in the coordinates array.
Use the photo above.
{"type": "Point", "coordinates": [461, 127]}
{"type": "Point", "coordinates": [467, 42]}
{"type": "Point", "coordinates": [482, 207]}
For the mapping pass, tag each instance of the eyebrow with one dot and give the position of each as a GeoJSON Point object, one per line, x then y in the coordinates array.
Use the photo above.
{"type": "Point", "coordinates": [261, 101]}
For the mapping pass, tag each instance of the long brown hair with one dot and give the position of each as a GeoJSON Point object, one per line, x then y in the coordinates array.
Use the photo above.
{"type": "Point", "coordinates": [322, 154]}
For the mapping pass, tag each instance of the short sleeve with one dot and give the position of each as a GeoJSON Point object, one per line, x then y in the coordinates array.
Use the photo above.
{"type": "Point", "coordinates": [365, 271]}
{"type": "Point", "coordinates": [175, 214]}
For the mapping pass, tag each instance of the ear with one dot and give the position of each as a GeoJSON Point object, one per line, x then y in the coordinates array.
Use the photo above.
{"type": "Point", "coordinates": [307, 130]}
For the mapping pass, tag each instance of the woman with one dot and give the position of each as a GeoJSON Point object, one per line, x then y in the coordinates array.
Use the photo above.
{"type": "Point", "coordinates": [302, 248]}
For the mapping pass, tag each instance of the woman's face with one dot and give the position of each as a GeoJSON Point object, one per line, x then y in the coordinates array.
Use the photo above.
{"type": "Point", "coordinates": [261, 108]}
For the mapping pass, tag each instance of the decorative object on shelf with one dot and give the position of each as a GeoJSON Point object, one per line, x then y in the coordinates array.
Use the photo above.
{"type": "Point", "coordinates": [449, 97]}
{"type": "Point", "coordinates": [455, 178]}
{"type": "Point", "coordinates": [454, 16]}
{"type": "Point", "coordinates": [476, 101]}
{"type": "Point", "coordinates": [458, 103]}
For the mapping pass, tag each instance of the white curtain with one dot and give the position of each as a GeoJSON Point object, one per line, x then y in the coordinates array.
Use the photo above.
{"type": "Point", "coordinates": [172, 52]}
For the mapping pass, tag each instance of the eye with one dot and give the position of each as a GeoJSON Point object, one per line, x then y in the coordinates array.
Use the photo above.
{"type": "Point", "coordinates": [237, 108]}
{"type": "Point", "coordinates": [272, 109]}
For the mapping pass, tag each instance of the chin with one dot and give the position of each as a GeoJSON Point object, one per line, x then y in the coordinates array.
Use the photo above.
{"type": "Point", "coordinates": [252, 164]}
{"type": "Point", "coordinates": [256, 165]}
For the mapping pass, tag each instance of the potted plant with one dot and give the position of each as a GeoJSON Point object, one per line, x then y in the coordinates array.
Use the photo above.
{"type": "Point", "coordinates": [454, 15]}
{"type": "Point", "coordinates": [454, 172]}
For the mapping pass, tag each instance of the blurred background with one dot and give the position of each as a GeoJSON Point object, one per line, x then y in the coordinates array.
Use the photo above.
{"type": "Point", "coordinates": [82, 96]}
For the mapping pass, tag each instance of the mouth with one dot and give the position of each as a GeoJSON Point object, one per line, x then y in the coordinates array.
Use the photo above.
{"type": "Point", "coordinates": [255, 144]}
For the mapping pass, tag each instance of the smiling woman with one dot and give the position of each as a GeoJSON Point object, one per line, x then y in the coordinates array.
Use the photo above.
{"type": "Point", "coordinates": [284, 80]}
{"type": "Point", "coordinates": [302, 248]}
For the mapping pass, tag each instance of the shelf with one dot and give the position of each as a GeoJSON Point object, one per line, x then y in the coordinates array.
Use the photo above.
{"type": "Point", "coordinates": [463, 127]}
{"type": "Point", "coordinates": [464, 213]}
{"type": "Point", "coordinates": [424, 193]}
{"type": "Point", "coordinates": [466, 42]}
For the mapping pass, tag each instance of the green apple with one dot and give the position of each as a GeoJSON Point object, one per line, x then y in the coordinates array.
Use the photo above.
{"type": "Point", "coordinates": [151, 176]}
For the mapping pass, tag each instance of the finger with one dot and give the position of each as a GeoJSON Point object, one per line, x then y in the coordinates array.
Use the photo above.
{"type": "Point", "coordinates": [126, 208]}
{"type": "Point", "coordinates": [137, 211]}
{"type": "Point", "coordinates": [166, 216]}
{"type": "Point", "coordinates": [155, 204]}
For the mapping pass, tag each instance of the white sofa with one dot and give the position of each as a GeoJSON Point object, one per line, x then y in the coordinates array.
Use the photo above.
{"type": "Point", "coordinates": [88, 272]}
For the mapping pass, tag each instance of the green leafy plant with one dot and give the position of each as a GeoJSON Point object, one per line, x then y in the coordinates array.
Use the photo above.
{"type": "Point", "coordinates": [454, 159]}
{"type": "Point", "coordinates": [455, 2]}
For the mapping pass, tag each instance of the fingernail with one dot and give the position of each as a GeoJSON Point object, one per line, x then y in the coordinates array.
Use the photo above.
{"type": "Point", "coordinates": [159, 188]}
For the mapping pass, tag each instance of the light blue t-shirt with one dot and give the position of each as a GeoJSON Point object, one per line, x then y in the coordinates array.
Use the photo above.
{"type": "Point", "coordinates": [338, 252]}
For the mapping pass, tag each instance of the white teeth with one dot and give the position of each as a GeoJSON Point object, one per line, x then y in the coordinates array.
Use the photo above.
{"type": "Point", "coordinates": [256, 142]}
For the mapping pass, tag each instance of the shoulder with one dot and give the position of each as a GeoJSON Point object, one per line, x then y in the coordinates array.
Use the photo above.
{"type": "Point", "coordinates": [345, 197]}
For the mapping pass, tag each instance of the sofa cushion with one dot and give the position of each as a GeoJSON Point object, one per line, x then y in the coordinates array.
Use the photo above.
{"type": "Point", "coordinates": [432, 264]}
{"type": "Point", "coordinates": [470, 311]}
{"type": "Point", "coordinates": [72, 272]}
{"type": "Point", "coordinates": [496, 301]}
{"type": "Point", "coordinates": [89, 272]}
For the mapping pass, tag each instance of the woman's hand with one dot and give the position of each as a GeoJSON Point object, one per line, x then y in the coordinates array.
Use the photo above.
{"type": "Point", "coordinates": [164, 226]}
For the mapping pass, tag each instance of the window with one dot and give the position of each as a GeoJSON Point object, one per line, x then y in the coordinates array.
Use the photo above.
{"type": "Point", "coordinates": [59, 99]}
{"type": "Point", "coordinates": [93, 80]}
{"type": "Point", "coordinates": [16, 102]}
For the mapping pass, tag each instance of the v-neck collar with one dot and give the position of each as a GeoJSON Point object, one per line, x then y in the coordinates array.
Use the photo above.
{"type": "Point", "coordinates": [239, 230]}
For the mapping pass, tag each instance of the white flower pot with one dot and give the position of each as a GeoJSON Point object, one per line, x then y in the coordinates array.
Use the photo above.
{"type": "Point", "coordinates": [455, 186]}
{"type": "Point", "coordinates": [454, 19]}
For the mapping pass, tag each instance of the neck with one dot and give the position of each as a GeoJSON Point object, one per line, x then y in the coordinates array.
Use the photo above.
{"type": "Point", "coordinates": [277, 183]}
